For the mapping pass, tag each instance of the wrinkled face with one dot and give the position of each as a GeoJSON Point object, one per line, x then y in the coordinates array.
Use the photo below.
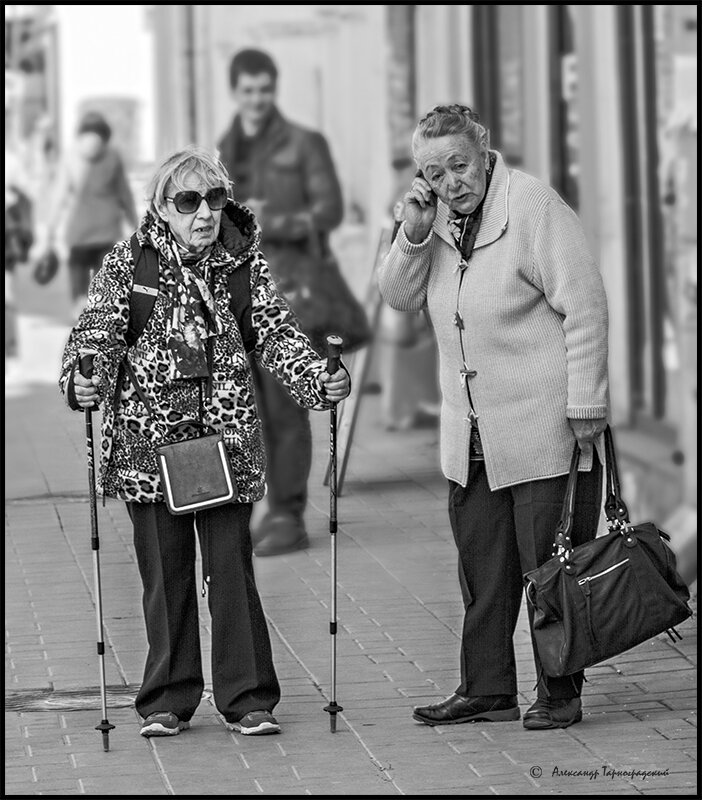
{"type": "Point", "coordinates": [197, 230]}
{"type": "Point", "coordinates": [455, 168]}
{"type": "Point", "coordinates": [254, 96]}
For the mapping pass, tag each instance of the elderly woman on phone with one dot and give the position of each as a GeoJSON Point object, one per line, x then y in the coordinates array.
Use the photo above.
{"type": "Point", "coordinates": [189, 361]}
{"type": "Point", "coordinates": [520, 316]}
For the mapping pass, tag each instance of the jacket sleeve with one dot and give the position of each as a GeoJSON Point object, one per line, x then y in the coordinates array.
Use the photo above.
{"type": "Point", "coordinates": [325, 209]}
{"type": "Point", "coordinates": [566, 272]}
{"type": "Point", "coordinates": [403, 276]}
{"type": "Point", "coordinates": [102, 325]}
{"type": "Point", "coordinates": [281, 347]}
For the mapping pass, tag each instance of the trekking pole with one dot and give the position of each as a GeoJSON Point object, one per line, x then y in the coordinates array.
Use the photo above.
{"type": "Point", "coordinates": [334, 344]}
{"type": "Point", "coordinates": [86, 370]}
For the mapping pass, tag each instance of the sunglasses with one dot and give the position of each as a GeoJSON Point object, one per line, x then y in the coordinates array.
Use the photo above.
{"type": "Point", "coordinates": [188, 202]}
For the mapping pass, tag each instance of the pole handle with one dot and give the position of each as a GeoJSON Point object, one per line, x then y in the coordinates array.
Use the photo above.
{"type": "Point", "coordinates": [86, 365]}
{"type": "Point", "coordinates": [334, 345]}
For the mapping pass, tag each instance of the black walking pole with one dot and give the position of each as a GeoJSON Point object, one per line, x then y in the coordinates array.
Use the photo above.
{"type": "Point", "coordinates": [86, 370]}
{"type": "Point", "coordinates": [334, 344]}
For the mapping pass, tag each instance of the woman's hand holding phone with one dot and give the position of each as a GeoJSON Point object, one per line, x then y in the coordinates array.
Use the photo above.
{"type": "Point", "coordinates": [420, 209]}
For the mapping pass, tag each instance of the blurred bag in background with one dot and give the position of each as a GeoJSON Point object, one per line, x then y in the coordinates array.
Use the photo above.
{"type": "Point", "coordinates": [323, 301]}
{"type": "Point", "coordinates": [46, 267]}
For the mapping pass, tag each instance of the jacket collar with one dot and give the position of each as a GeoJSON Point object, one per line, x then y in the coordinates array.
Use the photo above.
{"type": "Point", "coordinates": [495, 209]}
{"type": "Point", "coordinates": [273, 135]}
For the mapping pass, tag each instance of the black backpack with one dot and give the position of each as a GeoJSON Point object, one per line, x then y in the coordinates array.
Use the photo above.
{"type": "Point", "coordinates": [145, 291]}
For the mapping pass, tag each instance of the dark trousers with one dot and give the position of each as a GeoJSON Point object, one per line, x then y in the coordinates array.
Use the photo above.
{"type": "Point", "coordinates": [501, 535]}
{"type": "Point", "coordinates": [83, 262]}
{"type": "Point", "coordinates": [243, 675]}
{"type": "Point", "coordinates": [288, 441]}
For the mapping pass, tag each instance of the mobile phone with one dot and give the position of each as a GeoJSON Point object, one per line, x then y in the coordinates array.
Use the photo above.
{"type": "Point", "coordinates": [420, 174]}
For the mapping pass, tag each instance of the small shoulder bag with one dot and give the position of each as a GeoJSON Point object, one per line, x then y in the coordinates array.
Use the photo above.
{"type": "Point", "coordinates": [195, 471]}
{"type": "Point", "coordinates": [193, 462]}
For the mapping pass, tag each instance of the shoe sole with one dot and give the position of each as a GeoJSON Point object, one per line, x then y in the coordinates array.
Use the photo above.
{"type": "Point", "coordinates": [263, 728]}
{"type": "Point", "coordinates": [544, 725]}
{"type": "Point", "coordinates": [156, 729]}
{"type": "Point", "coordinates": [503, 715]}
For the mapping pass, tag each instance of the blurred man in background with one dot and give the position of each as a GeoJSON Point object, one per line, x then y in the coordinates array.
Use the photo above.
{"type": "Point", "coordinates": [285, 174]}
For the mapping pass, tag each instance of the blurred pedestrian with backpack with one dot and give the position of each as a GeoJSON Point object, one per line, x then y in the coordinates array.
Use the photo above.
{"type": "Point", "coordinates": [92, 203]}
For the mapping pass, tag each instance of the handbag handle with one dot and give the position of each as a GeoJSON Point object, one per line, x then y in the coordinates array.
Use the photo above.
{"type": "Point", "coordinates": [562, 542]}
{"type": "Point", "coordinates": [614, 507]}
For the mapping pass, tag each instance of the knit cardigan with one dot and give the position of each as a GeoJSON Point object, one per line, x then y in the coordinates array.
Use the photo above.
{"type": "Point", "coordinates": [528, 312]}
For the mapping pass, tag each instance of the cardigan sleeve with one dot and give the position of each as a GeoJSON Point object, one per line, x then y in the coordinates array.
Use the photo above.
{"type": "Point", "coordinates": [566, 272]}
{"type": "Point", "coordinates": [403, 276]}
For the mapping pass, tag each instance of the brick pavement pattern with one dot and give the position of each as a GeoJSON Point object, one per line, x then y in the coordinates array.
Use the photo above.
{"type": "Point", "coordinates": [399, 612]}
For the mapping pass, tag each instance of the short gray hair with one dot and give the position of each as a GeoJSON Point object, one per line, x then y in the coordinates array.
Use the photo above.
{"type": "Point", "coordinates": [181, 164]}
{"type": "Point", "coordinates": [454, 119]}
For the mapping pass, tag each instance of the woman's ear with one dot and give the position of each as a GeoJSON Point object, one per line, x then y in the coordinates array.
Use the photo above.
{"type": "Point", "coordinates": [161, 211]}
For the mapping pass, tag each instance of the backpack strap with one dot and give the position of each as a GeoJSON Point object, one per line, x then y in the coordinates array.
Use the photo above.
{"type": "Point", "coordinates": [144, 289]}
{"type": "Point", "coordinates": [240, 303]}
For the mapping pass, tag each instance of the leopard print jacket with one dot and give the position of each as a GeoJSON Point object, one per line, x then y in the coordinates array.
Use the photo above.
{"type": "Point", "coordinates": [129, 434]}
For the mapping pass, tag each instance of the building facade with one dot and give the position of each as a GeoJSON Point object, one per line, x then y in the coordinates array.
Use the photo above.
{"type": "Point", "coordinates": [600, 101]}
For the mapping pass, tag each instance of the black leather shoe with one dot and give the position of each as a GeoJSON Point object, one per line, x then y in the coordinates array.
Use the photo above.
{"type": "Point", "coordinates": [552, 713]}
{"type": "Point", "coordinates": [455, 709]}
{"type": "Point", "coordinates": [278, 534]}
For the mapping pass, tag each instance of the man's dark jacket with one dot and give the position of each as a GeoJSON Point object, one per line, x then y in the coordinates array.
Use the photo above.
{"type": "Point", "coordinates": [289, 167]}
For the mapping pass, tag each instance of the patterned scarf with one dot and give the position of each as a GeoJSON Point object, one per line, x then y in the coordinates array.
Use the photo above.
{"type": "Point", "coordinates": [193, 316]}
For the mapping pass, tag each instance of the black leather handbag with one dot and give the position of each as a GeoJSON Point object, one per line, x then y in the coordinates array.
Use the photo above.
{"type": "Point", "coordinates": [195, 472]}
{"type": "Point", "coordinates": [597, 600]}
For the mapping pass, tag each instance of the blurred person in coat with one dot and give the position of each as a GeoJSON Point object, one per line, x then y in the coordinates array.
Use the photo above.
{"type": "Point", "coordinates": [520, 316]}
{"type": "Point", "coordinates": [201, 236]}
{"type": "Point", "coordinates": [285, 174]}
{"type": "Point", "coordinates": [92, 203]}
{"type": "Point", "coordinates": [19, 237]}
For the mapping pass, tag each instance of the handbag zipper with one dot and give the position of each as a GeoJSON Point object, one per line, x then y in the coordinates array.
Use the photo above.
{"type": "Point", "coordinates": [585, 582]}
{"type": "Point", "coordinates": [600, 574]}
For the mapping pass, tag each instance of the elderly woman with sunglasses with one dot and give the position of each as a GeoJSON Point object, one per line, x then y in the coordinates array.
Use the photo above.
{"type": "Point", "coordinates": [520, 316]}
{"type": "Point", "coordinates": [190, 362]}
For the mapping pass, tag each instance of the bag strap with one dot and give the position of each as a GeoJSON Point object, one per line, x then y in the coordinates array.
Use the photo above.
{"type": "Point", "coordinates": [202, 428]}
{"type": "Point", "coordinates": [144, 289]}
{"type": "Point", "coordinates": [562, 542]}
{"type": "Point", "coordinates": [614, 507]}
